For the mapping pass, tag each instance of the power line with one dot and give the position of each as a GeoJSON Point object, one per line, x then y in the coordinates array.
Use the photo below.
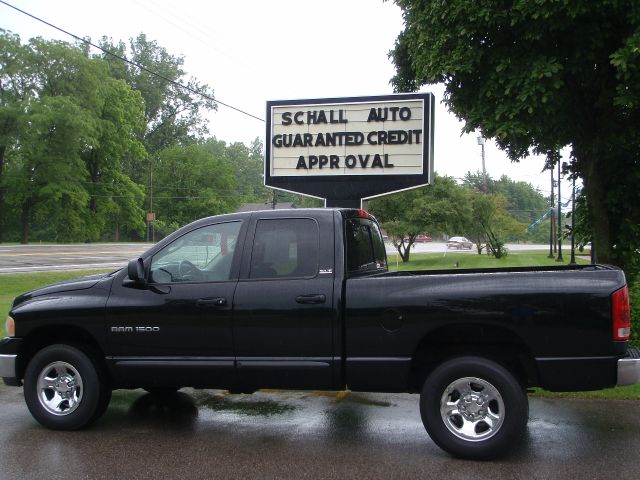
{"type": "Point", "coordinates": [137, 65]}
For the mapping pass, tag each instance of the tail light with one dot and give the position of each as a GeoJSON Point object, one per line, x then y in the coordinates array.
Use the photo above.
{"type": "Point", "coordinates": [621, 314]}
{"type": "Point", "coordinates": [363, 213]}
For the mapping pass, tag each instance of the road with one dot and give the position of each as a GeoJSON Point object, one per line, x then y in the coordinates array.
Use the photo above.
{"type": "Point", "coordinates": [39, 258]}
{"type": "Point", "coordinates": [441, 247]}
{"type": "Point", "coordinates": [210, 434]}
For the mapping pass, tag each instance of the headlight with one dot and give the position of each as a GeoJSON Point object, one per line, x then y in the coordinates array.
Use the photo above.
{"type": "Point", "coordinates": [10, 327]}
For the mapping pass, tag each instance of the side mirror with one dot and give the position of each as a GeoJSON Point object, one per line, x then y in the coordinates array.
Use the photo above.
{"type": "Point", "coordinates": [135, 270]}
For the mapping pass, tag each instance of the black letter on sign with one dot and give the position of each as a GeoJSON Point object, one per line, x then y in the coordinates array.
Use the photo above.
{"type": "Point", "coordinates": [364, 160]}
{"type": "Point", "coordinates": [373, 117]}
{"type": "Point", "coordinates": [313, 160]}
{"type": "Point", "coordinates": [405, 113]}
{"type": "Point", "coordinates": [386, 161]}
{"type": "Point", "coordinates": [377, 161]}
{"type": "Point", "coordinates": [334, 161]}
{"type": "Point", "coordinates": [350, 161]}
{"type": "Point", "coordinates": [324, 160]}
{"type": "Point", "coordinates": [301, 163]}
{"type": "Point", "coordinates": [286, 118]}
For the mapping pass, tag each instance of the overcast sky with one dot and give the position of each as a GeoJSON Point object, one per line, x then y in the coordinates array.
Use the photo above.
{"type": "Point", "coordinates": [253, 51]}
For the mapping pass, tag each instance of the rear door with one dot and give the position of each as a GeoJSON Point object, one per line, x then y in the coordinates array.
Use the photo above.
{"type": "Point", "coordinates": [283, 306]}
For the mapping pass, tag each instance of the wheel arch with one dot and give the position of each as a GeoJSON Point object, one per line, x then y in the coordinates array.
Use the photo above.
{"type": "Point", "coordinates": [59, 334]}
{"type": "Point", "coordinates": [493, 342]}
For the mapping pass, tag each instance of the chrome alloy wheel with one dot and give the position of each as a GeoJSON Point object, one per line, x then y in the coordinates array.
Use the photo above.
{"type": "Point", "coordinates": [472, 409]}
{"type": "Point", "coordinates": [59, 388]}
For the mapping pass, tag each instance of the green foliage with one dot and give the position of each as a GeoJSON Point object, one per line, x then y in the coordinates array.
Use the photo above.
{"type": "Point", "coordinates": [81, 134]}
{"type": "Point", "coordinates": [537, 76]}
{"type": "Point", "coordinates": [173, 114]}
{"type": "Point", "coordinates": [634, 298]}
{"type": "Point", "coordinates": [432, 209]}
{"type": "Point", "coordinates": [247, 165]}
{"type": "Point", "coordinates": [488, 224]}
{"type": "Point", "coordinates": [524, 203]}
{"type": "Point", "coordinates": [195, 184]}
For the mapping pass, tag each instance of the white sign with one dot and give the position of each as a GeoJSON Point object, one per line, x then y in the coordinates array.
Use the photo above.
{"type": "Point", "coordinates": [383, 137]}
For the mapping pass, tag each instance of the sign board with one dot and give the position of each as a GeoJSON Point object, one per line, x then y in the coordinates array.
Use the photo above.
{"type": "Point", "coordinates": [348, 149]}
{"type": "Point", "coordinates": [151, 217]}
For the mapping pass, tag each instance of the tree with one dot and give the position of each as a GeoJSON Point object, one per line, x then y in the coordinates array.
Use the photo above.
{"type": "Point", "coordinates": [524, 202]}
{"type": "Point", "coordinates": [488, 223]}
{"type": "Point", "coordinates": [247, 164]}
{"type": "Point", "coordinates": [118, 120]}
{"type": "Point", "coordinates": [173, 113]}
{"type": "Point", "coordinates": [46, 172]}
{"type": "Point", "coordinates": [431, 209]}
{"type": "Point", "coordinates": [537, 76]}
{"type": "Point", "coordinates": [16, 88]}
{"type": "Point", "coordinates": [66, 127]}
{"type": "Point", "coordinates": [192, 184]}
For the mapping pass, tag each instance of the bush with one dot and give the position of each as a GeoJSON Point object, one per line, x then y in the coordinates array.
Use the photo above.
{"type": "Point", "coordinates": [634, 298]}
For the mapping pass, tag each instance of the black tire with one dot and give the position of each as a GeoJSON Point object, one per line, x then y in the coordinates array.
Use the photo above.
{"type": "Point", "coordinates": [487, 408]}
{"type": "Point", "coordinates": [105, 399]}
{"type": "Point", "coordinates": [64, 370]}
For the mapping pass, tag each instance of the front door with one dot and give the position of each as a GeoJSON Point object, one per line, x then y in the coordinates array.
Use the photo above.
{"type": "Point", "coordinates": [177, 330]}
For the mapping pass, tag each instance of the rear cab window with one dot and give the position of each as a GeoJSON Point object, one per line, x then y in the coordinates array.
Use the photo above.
{"type": "Point", "coordinates": [364, 247]}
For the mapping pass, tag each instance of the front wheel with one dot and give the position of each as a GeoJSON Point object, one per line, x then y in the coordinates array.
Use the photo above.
{"type": "Point", "coordinates": [64, 388]}
{"type": "Point", "coordinates": [473, 408]}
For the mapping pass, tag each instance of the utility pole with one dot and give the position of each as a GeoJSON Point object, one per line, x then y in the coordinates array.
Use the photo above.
{"type": "Point", "coordinates": [150, 214]}
{"type": "Point", "coordinates": [551, 221]}
{"type": "Point", "coordinates": [484, 170]}
{"type": "Point", "coordinates": [559, 259]}
{"type": "Point", "coordinates": [573, 222]}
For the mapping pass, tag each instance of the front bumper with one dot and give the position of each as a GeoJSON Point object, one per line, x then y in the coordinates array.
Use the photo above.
{"type": "Point", "coordinates": [8, 365]}
{"type": "Point", "coordinates": [629, 368]}
{"type": "Point", "coordinates": [9, 360]}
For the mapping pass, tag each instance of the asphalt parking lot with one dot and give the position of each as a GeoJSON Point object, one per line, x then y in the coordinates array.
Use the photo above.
{"type": "Point", "coordinates": [210, 434]}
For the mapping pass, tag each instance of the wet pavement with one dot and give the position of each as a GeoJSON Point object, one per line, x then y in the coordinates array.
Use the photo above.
{"type": "Point", "coordinates": [210, 434]}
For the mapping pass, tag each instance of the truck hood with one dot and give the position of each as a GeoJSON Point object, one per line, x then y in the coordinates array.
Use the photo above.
{"type": "Point", "coordinates": [80, 283]}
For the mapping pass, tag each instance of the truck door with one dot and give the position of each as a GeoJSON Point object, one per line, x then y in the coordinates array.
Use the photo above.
{"type": "Point", "coordinates": [177, 330]}
{"type": "Point", "coordinates": [283, 307]}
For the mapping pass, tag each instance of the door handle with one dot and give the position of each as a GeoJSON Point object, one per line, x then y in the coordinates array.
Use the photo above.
{"type": "Point", "coordinates": [211, 302]}
{"type": "Point", "coordinates": [310, 299]}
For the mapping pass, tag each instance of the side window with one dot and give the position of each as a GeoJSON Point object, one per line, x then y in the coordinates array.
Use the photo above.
{"type": "Point", "coordinates": [286, 248]}
{"type": "Point", "coordinates": [203, 255]}
{"type": "Point", "coordinates": [365, 248]}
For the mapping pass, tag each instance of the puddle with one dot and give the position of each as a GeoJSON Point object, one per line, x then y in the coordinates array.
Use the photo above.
{"type": "Point", "coordinates": [259, 407]}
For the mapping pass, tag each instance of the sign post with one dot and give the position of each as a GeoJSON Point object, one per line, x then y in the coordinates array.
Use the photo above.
{"type": "Point", "coordinates": [346, 150]}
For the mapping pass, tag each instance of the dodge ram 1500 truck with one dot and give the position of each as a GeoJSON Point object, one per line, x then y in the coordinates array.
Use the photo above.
{"type": "Point", "coordinates": [303, 299]}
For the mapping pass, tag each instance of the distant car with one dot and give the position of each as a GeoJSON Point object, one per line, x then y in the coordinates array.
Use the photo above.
{"type": "Point", "coordinates": [423, 239]}
{"type": "Point", "coordinates": [459, 243]}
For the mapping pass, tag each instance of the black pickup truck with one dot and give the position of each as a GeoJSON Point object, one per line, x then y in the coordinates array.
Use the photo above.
{"type": "Point", "coordinates": [303, 299]}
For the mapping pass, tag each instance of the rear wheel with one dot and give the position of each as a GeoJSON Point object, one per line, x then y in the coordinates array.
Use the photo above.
{"type": "Point", "coordinates": [474, 408]}
{"type": "Point", "coordinates": [65, 388]}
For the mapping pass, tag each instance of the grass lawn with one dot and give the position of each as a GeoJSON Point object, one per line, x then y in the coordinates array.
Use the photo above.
{"type": "Point", "coordinates": [437, 261]}
{"type": "Point", "coordinates": [630, 392]}
{"type": "Point", "coordinates": [13, 284]}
